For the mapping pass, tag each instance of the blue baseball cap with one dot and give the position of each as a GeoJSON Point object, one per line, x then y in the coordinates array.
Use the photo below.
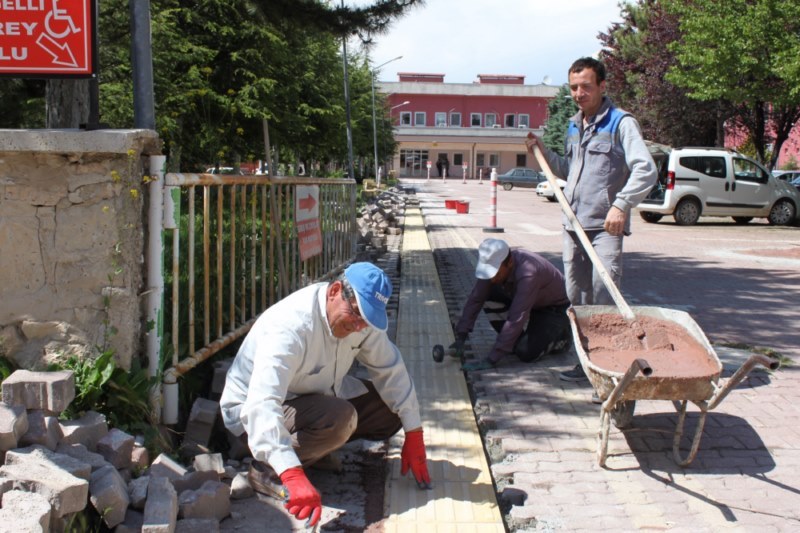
{"type": "Point", "coordinates": [372, 289]}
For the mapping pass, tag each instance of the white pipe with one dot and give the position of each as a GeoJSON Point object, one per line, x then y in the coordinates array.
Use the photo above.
{"type": "Point", "coordinates": [171, 214]}
{"type": "Point", "coordinates": [170, 403]}
{"type": "Point", "coordinates": [155, 279]}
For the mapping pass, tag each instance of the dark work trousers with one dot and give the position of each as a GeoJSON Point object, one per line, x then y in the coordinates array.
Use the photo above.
{"type": "Point", "coordinates": [321, 424]}
{"type": "Point", "coordinates": [548, 330]}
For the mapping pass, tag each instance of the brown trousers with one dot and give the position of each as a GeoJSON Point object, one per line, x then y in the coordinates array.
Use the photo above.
{"type": "Point", "coordinates": [321, 424]}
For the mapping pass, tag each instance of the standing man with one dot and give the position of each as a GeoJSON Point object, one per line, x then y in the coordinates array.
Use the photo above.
{"type": "Point", "coordinates": [289, 394]}
{"type": "Point", "coordinates": [609, 170]}
{"type": "Point", "coordinates": [530, 302]}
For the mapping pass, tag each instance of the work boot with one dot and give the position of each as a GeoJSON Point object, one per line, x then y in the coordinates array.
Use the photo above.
{"type": "Point", "coordinates": [265, 481]}
{"type": "Point", "coordinates": [576, 374]}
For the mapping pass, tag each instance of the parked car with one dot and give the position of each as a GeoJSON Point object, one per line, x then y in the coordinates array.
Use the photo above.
{"type": "Point", "coordinates": [716, 182]}
{"type": "Point", "coordinates": [223, 170]}
{"type": "Point", "coordinates": [545, 191]}
{"type": "Point", "coordinates": [796, 183]}
{"type": "Point", "coordinates": [786, 175]}
{"type": "Point", "coordinates": [520, 177]}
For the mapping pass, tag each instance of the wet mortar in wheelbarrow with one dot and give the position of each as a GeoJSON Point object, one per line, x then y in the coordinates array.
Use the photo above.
{"type": "Point", "coordinates": [677, 364]}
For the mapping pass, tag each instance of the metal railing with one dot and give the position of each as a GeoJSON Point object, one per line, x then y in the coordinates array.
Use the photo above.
{"type": "Point", "coordinates": [231, 250]}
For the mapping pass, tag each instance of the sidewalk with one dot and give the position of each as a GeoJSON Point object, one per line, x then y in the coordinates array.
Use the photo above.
{"type": "Point", "coordinates": [540, 433]}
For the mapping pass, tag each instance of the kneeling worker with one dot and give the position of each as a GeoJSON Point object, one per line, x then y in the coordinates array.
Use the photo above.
{"type": "Point", "coordinates": [289, 394]}
{"type": "Point", "coordinates": [529, 300]}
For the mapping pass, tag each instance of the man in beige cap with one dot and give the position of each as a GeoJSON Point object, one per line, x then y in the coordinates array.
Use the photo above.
{"type": "Point", "coordinates": [529, 300]}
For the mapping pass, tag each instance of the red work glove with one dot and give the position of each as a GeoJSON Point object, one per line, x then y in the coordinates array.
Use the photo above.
{"type": "Point", "coordinates": [303, 500]}
{"type": "Point", "coordinates": [413, 457]}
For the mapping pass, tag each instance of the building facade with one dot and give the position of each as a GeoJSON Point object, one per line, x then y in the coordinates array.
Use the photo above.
{"type": "Point", "coordinates": [464, 129]}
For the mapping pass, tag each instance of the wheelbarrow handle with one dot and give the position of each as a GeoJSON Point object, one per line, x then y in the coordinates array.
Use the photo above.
{"type": "Point", "coordinates": [739, 375]}
{"type": "Point", "coordinates": [638, 365]}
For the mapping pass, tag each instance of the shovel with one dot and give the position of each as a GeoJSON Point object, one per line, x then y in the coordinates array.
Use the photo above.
{"type": "Point", "coordinates": [622, 305]}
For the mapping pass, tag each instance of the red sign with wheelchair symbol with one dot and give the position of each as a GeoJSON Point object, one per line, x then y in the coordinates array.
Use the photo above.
{"type": "Point", "coordinates": [47, 38]}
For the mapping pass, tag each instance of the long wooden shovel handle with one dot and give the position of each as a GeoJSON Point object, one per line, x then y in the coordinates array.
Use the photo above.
{"type": "Point", "coordinates": [624, 308]}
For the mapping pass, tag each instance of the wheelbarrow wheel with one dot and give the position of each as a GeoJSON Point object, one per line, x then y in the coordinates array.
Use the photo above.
{"type": "Point", "coordinates": [622, 414]}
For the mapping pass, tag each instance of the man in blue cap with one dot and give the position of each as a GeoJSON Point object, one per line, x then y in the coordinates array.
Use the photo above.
{"type": "Point", "coordinates": [289, 394]}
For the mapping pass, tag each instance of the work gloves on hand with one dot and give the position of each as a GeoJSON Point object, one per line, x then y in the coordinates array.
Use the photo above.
{"type": "Point", "coordinates": [303, 500]}
{"type": "Point", "coordinates": [413, 457]}
{"type": "Point", "coordinates": [457, 348]}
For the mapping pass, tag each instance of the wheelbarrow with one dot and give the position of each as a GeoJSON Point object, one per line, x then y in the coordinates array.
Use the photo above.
{"type": "Point", "coordinates": [619, 388]}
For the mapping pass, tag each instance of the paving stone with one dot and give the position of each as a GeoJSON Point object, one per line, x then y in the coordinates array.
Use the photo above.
{"type": "Point", "coordinates": [161, 509]}
{"type": "Point", "coordinates": [209, 461]}
{"type": "Point", "coordinates": [66, 493]}
{"type": "Point", "coordinates": [109, 495]}
{"type": "Point", "coordinates": [137, 492]}
{"type": "Point", "coordinates": [45, 457]}
{"type": "Point", "coordinates": [82, 453]}
{"type": "Point", "coordinates": [197, 525]}
{"type": "Point", "coordinates": [24, 512]}
{"type": "Point", "coordinates": [86, 430]}
{"type": "Point", "coordinates": [43, 429]}
{"type": "Point", "coordinates": [194, 480]}
{"type": "Point", "coordinates": [13, 424]}
{"type": "Point", "coordinates": [164, 466]}
{"type": "Point", "coordinates": [211, 500]}
{"type": "Point", "coordinates": [134, 520]}
{"type": "Point", "coordinates": [240, 487]}
{"type": "Point", "coordinates": [46, 391]}
{"type": "Point", "coordinates": [116, 447]}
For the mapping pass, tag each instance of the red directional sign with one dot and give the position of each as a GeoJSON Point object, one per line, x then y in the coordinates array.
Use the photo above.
{"type": "Point", "coordinates": [306, 214]}
{"type": "Point", "coordinates": [47, 38]}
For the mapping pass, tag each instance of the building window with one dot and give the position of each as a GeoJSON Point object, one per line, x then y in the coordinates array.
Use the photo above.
{"type": "Point", "coordinates": [510, 121]}
{"type": "Point", "coordinates": [414, 162]}
{"type": "Point", "coordinates": [522, 160]}
{"type": "Point", "coordinates": [455, 119]}
{"type": "Point", "coordinates": [419, 118]}
{"type": "Point", "coordinates": [494, 160]}
{"type": "Point", "coordinates": [475, 120]}
{"type": "Point", "coordinates": [480, 160]}
{"type": "Point", "coordinates": [441, 119]}
{"type": "Point", "coordinates": [524, 121]}
{"type": "Point", "coordinates": [490, 120]}
{"type": "Point", "coordinates": [405, 118]}
{"type": "Point", "coordinates": [458, 160]}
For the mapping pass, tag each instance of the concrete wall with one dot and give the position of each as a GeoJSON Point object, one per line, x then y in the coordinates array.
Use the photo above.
{"type": "Point", "coordinates": [72, 207]}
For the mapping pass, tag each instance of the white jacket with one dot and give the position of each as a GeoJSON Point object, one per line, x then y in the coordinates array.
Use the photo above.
{"type": "Point", "coordinates": [291, 351]}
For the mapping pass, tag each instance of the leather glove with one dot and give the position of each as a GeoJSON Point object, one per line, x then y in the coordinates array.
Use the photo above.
{"type": "Point", "coordinates": [303, 500]}
{"type": "Point", "coordinates": [413, 457]}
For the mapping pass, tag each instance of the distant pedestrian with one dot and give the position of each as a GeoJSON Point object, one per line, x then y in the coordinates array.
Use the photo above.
{"type": "Point", "coordinates": [524, 295]}
{"type": "Point", "coordinates": [609, 170]}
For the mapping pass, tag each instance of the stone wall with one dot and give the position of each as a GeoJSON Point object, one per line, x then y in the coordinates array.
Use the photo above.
{"type": "Point", "coordinates": [72, 207]}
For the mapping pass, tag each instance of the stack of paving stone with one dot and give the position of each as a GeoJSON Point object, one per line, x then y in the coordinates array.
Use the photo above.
{"type": "Point", "coordinates": [381, 216]}
{"type": "Point", "coordinates": [54, 469]}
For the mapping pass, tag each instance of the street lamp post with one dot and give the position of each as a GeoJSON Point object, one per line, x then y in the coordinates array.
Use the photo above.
{"type": "Point", "coordinates": [374, 122]}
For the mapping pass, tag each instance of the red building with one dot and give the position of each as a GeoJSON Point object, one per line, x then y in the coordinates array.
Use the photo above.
{"type": "Point", "coordinates": [474, 127]}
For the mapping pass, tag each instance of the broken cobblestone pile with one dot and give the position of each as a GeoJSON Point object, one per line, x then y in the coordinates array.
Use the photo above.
{"type": "Point", "coordinates": [52, 470]}
{"type": "Point", "coordinates": [382, 215]}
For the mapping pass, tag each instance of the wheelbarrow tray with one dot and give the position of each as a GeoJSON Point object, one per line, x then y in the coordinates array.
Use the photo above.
{"type": "Point", "coordinates": [620, 390]}
{"type": "Point", "coordinates": [694, 387]}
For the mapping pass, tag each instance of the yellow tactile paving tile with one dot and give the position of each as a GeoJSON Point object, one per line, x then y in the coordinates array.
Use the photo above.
{"type": "Point", "coordinates": [463, 497]}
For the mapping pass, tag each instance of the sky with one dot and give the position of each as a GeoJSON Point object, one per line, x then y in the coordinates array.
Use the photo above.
{"type": "Point", "coordinates": [463, 38]}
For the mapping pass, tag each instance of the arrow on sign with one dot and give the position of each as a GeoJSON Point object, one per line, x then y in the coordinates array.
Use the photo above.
{"type": "Point", "coordinates": [62, 55]}
{"type": "Point", "coordinates": [307, 203]}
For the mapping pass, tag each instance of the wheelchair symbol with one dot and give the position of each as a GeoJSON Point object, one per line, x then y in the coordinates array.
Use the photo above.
{"type": "Point", "coordinates": [59, 15]}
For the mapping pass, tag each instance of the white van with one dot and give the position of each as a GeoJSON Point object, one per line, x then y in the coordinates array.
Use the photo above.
{"type": "Point", "coordinates": [716, 182]}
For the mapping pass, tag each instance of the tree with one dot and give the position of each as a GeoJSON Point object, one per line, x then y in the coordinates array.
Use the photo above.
{"type": "Point", "coordinates": [637, 57]}
{"type": "Point", "coordinates": [559, 110]}
{"type": "Point", "coordinates": [221, 67]}
{"type": "Point", "coordinates": [745, 51]}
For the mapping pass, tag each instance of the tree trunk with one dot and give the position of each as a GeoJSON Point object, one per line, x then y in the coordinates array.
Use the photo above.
{"type": "Point", "coordinates": [67, 103]}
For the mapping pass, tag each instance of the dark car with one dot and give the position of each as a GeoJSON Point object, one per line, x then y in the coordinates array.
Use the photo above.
{"type": "Point", "coordinates": [520, 177]}
{"type": "Point", "coordinates": [796, 183]}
